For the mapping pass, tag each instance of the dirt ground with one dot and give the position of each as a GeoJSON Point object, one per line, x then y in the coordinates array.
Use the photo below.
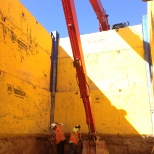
{"type": "Point", "coordinates": [43, 145]}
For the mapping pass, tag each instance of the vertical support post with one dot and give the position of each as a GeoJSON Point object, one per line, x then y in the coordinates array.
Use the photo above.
{"type": "Point", "coordinates": [148, 64]}
{"type": "Point", "coordinates": [53, 74]}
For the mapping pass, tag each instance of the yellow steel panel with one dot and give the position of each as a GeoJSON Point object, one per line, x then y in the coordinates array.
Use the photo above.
{"type": "Point", "coordinates": [26, 45]}
{"type": "Point", "coordinates": [25, 108]}
{"type": "Point", "coordinates": [117, 79]}
{"type": "Point", "coordinates": [17, 16]}
{"type": "Point", "coordinates": [25, 72]}
{"type": "Point", "coordinates": [66, 76]}
{"type": "Point", "coordinates": [70, 111]}
{"type": "Point", "coordinates": [110, 118]}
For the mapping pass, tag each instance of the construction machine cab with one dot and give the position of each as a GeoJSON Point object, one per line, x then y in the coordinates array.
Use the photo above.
{"type": "Point", "coordinates": [120, 25]}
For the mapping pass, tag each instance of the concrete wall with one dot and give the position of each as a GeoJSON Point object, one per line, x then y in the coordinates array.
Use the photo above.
{"type": "Point", "coordinates": [24, 72]}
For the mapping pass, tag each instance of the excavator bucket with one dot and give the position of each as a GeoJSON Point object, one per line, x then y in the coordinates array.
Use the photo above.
{"type": "Point", "coordinates": [99, 148]}
{"type": "Point", "coordinates": [88, 149]}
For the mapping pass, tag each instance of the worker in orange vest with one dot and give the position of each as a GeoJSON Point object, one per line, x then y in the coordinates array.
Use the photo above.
{"type": "Point", "coordinates": [59, 137]}
{"type": "Point", "coordinates": [74, 139]}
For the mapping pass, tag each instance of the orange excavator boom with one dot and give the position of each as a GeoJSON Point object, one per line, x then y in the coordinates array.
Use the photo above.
{"type": "Point", "coordinates": [79, 64]}
{"type": "Point", "coordinates": [101, 15]}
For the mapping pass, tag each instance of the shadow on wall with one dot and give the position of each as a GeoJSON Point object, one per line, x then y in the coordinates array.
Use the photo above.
{"type": "Point", "coordinates": [113, 108]}
{"type": "Point", "coordinates": [119, 96]}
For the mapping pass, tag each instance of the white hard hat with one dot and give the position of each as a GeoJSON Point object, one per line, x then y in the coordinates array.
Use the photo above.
{"type": "Point", "coordinates": [53, 125]}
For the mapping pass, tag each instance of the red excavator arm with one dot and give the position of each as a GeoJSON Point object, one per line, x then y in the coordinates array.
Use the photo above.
{"type": "Point", "coordinates": [101, 15]}
{"type": "Point", "coordinates": [79, 64]}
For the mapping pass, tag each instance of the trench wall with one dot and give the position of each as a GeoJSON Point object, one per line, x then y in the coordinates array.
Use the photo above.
{"type": "Point", "coordinates": [117, 79]}
{"type": "Point", "coordinates": [119, 87]}
{"type": "Point", "coordinates": [25, 49]}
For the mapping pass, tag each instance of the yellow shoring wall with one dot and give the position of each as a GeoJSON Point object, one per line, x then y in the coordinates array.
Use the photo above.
{"type": "Point", "coordinates": [24, 72]}
{"type": "Point", "coordinates": [117, 79]}
{"type": "Point", "coordinates": [115, 68]}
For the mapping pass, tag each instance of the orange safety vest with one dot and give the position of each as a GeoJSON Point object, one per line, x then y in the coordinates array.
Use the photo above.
{"type": "Point", "coordinates": [74, 137]}
{"type": "Point", "coordinates": [59, 134]}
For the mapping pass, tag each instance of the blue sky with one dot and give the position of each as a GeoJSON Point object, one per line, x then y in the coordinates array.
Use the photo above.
{"type": "Point", "coordinates": [49, 13]}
